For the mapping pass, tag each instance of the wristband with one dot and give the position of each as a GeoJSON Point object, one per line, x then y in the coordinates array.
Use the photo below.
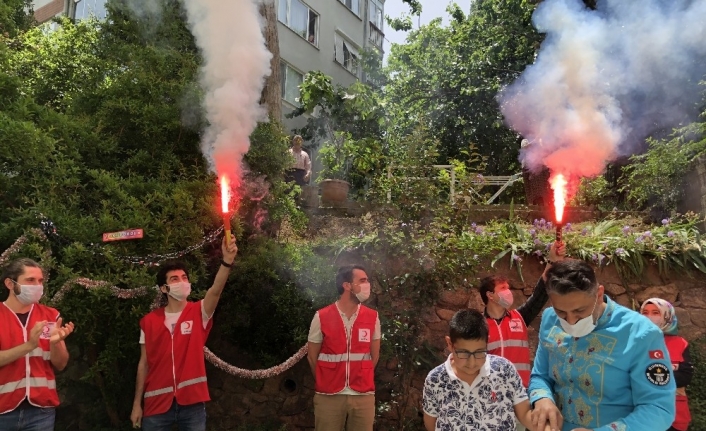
{"type": "Point", "coordinates": [227, 265]}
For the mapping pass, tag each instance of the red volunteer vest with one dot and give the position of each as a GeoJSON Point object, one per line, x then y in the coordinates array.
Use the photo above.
{"type": "Point", "coordinates": [32, 375]}
{"type": "Point", "coordinates": [509, 340]}
{"type": "Point", "coordinates": [676, 346]}
{"type": "Point", "coordinates": [340, 362]}
{"type": "Point", "coordinates": [176, 366]}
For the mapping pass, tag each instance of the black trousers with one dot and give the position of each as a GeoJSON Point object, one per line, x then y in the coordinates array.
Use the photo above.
{"type": "Point", "coordinates": [296, 176]}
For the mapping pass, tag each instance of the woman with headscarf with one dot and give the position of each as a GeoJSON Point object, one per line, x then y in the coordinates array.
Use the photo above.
{"type": "Point", "coordinates": [662, 314]}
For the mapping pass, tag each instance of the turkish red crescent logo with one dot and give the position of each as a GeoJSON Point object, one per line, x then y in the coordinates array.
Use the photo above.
{"type": "Point", "coordinates": [656, 354]}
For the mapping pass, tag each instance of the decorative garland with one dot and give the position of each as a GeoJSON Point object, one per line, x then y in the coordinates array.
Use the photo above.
{"type": "Point", "coordinates": [255, 374]}
{"type": "Point", "coordinates": [89, 284]}
{"type": "Point", "coordinates": [50, 231]}
{"type": "Point", "coordinates": [17, 245]}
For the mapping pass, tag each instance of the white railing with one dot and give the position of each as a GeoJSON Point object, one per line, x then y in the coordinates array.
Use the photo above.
{"type": "Point", "coordinates": [504, 181]}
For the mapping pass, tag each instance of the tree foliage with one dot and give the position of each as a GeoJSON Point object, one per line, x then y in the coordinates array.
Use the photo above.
{"type": "Point", "coordinates": [450, 76]}
{"type": "Point", "coordinates": [657, 179]}
{"type": "Point", "coordinates": [100, 128]}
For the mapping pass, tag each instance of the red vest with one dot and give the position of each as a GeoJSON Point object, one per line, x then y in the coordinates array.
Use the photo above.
{"type": "Point", "coordinates": [509, 340]}
{"type": "Point", "coordinates": [32, 375]}
{"type": "Point", "coordinates": [676, 346]}
{"type": "Point", "coordinates": [175, 362]}
{"type": "Point", "coordinates": [341, 362]}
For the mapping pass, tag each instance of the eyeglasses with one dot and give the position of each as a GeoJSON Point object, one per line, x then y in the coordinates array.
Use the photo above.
{"type": "Point", "coordinates": [465, 354]}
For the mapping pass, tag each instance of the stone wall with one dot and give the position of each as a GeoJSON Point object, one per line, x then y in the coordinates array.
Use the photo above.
{"type": "Point", "coordinates": [288, 398]}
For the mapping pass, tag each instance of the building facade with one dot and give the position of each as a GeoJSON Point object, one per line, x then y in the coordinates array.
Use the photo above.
{"type": "Point", "coordinates": [325, 35]}
{"type": "Point", "coordinates": [44, 10]}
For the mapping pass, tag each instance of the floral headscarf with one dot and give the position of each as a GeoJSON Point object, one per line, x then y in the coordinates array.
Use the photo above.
{"type": "Point", "coordinates": [670, 317]}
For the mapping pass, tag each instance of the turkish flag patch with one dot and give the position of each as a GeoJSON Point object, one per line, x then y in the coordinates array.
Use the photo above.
{"type": "Point", "coordinates": [656, 354]}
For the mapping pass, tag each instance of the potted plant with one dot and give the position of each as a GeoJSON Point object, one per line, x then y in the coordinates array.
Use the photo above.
{"type": "Point", "coordinates": [335, 156]}
{"type": "Point", "coordinates": [347, 124]}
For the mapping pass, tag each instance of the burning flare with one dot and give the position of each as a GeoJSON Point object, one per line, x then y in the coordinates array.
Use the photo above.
{"type": "Point", "coordinates": [225, 194]}
{"type": "Point", "coordinates": [559, 183]}
{"type": "Point", "coordinates": [225, 200]}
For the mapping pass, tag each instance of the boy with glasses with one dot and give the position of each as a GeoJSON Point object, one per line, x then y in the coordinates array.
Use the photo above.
{"type": "Point", "coordinates": [472, 390]}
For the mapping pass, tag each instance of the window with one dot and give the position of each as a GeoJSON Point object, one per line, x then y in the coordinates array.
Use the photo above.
{"type": "Point", "coordinates": [346, 55]}
{"type": "Point", "coordinates": [89, 8]}
{"type": "Point", "coordinates": [298, 17]}
{"type": "Point", "coordinates": [291, 80]}
{"type": "Point", "coordinates": [353, 5]}
{"type": "Point", "coordinates": [376, 16]}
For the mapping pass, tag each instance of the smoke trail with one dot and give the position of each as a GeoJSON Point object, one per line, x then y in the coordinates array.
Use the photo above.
{"type": "Point", "coordinates": [605, 79]}
{"type": "Point", "coordinates": [235, 64]}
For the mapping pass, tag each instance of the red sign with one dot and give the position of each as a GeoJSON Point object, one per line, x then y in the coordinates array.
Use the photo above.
{"type": "Point", "coordinates": [123, 235]}
{"type": "Point", "coordinates": [656, 354]}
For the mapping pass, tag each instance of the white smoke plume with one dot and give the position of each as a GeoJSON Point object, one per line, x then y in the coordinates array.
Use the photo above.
{"type": "Point", "coordinates": [235, 65]}
{"type": "Point", "coordinates": [605, 79]}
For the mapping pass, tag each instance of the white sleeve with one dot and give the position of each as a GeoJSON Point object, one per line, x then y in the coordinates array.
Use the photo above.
{"type": "Point", "coordinates": [378, 332]}
{"type": "Point", "coordinates": [142, 336]}
{"type": "Point", "coordinates": [315, 334]}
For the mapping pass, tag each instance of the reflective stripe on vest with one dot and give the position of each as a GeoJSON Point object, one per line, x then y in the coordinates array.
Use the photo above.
{"type": "Point", "coordinates": [507, 343]}
{"type": "Point", "coordinates": [345, 357]}
{"type": "Point", "coordinates": [181, 385]}
{"type": "Point", "coordinates": [158, 392]}
{"type": "Point", "coordinates": [40, 352]}
{"type": "Point", "coordinates": [191, 382]}
{"type": "Point", "coordinates": [34, 382]}
{"type": "Point", "coordinates": [523, 367]}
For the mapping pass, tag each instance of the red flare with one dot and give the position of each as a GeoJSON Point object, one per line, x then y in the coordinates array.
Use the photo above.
{"type": "Point", "coordinates": [225, 200]}
{"type": "Point", "coordinates": [559, 183]}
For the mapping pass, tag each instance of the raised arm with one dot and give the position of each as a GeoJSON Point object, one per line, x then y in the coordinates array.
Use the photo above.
{"type": "Point", "coordinates": [531, 309]}
{"type": "Point", "coordinates": [213, 295]}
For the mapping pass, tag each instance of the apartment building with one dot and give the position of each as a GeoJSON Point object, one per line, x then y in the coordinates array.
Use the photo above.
{"type": "Point", "coordinates": [44, 10]}
{"type": "Point", "coordinates": [325, 35]}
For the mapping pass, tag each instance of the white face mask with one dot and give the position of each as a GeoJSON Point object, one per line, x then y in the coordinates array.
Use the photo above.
{"type": "Point", "coordinates": [364, 293]}
{"type": "Point", "coordinates": [180, 291]}
{"type": "Point", "coordinates": [30, 293]}
{"type": "Point", "coordinates": [505, 298]}
{"type": "Point", "coordinates": [657, 320]}
{"type": "Point", "coordinates": [581, 328]}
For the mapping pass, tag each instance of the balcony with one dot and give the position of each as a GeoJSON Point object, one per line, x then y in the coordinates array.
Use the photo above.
{"type": "Point", "coordinates": [376, 35]}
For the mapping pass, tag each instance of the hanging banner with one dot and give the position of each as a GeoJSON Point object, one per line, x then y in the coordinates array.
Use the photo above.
{"type": "Point", "coordinates": [123, 235]}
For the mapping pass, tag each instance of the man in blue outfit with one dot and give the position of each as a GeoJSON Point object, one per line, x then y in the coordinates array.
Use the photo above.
{"type": "Point", "coordinates": [599, 366]}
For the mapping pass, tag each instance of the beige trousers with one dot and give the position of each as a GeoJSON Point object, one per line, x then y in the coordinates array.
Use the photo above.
{"type": "Point", "coordinates": [354, 412]}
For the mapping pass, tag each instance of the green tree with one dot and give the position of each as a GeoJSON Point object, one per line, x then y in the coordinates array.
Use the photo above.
{"type": "Point", "coordinates": [99, 124]}
{"type": "Point", "coordinates": [450, 76]}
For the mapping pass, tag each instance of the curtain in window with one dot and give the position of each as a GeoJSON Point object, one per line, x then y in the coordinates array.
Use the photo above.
{"type": "Point", "coordinates": [292, 81]}
{"type": "Point", "coordinates": [282, 11]}
{"type": "Point", "coordinates": [299, 18]}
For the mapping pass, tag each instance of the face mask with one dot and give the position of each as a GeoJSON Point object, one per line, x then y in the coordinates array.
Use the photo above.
{"type": "Point", "coordinates": [364, 293]}
{"type": "Point", "coordinates": [505, 298]}
{"type": "Point", "coordinates": [657, 320]}
{"type": "Point", "coordinates": [30, 293]}
{"type": "Point", "coordinates": [581, 328]}
{"type": "Point", "coordinates": [179, 291]}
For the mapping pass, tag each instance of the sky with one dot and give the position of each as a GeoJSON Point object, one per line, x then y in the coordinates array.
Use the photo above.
{"type": "Point", "coordinates": [430, 9]}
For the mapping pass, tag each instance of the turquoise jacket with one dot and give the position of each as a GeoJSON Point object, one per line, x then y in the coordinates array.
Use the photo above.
{"type": "Point", "coordinates": [617, 378]}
